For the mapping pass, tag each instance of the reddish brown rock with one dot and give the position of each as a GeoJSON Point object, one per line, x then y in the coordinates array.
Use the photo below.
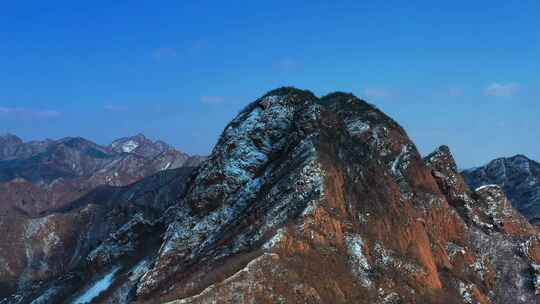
{"type": "Point", "coordinates": [324, 200]}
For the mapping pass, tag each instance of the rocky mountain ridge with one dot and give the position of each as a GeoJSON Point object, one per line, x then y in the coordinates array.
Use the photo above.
{"type": "Point", "coordinates": [302, 200]}
{"type": "Point", "coordinates": [40, 175]}
{"type": "Point", "coordinates": [519, 177]}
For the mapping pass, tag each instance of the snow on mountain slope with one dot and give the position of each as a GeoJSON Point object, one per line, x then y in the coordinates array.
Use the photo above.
{"type": "Point", "coordinates": [34, 180]}
{"type": "Point", "coordinates": [518, 176]}
{"type": "Point", "coordinates": [306, 200]}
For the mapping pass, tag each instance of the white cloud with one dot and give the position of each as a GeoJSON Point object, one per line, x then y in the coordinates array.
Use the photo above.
{"type": "Point", "coordinates": [212, 100]}
{"type": "Point", "coordinates": [501, 89]}
{"type": "Point", "coordinates": [376, 93]}
{"type": "Point", "coordinates": [18, 112]}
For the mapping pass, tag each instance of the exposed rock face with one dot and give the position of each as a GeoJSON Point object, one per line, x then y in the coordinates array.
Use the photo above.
{"type": "Point", "coordinates": [498, 233]}
{"type": "Point", "coordinates": [140, 145]}
{"type": "Point", "coordinates": [60, 199]}
{"type": "Point", "coordinates": [518, 176]}
{"type": "Point", "coordinates": [52, 256]}
{"type": "Point", "coordinates": [12, 147]}
{"type": "Point", "coordinates": [328, 201]}
{"type": "Point", "coordinates": [8, 144]}
{"type": "Point", "coordinates": [315, 200]}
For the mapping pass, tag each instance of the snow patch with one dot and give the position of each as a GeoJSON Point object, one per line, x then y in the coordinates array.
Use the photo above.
{"type": "Point", "coordinates": [357, 127]}
{"type": "Point", "coordinates": [466, 292]}
{"type": "Point", "coordinates": [386, 257]}
{"type": "Point", "coordinates": [363, 218]}
{"type": "Point", "coordinates": [480, 267]}
{"type": "Point", "coordinates": [139, 270]}
{"type": "Point", "coordinates": [34, 226]}
{"type": "Point", "coordinates": [388, 298]}
{"type": "Point", "coordinates": [486, 187]}
{"type": "Point", "coordinates": [357, 258]}
{"type": "Point", "coordinates": [454, 249]}
{"type": "Point", "coordinates": [129, 146]}
{"type": "Point", "coordinates": [97, 288]}
{"type": "Point", "coordinates": [401, 162]}
{"type": "Point", "coordinates": [254, 264]}
{"type": "Point", "coordinates": [167, 166]}
{"type": "Point", "coordinates": [271, 243]}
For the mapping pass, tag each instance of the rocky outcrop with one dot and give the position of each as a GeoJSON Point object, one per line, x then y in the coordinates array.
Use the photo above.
{"type": "Point", "coordinates": [328, 201]}
{"type": "Point", "coordinates": [315, 200]}
{"type": "Point", "coordinates": [497, 233]}
{"type": "Point", "coordinates": [61, 199]}
{"type": "Point", "coordinates": [12, 147]}
{"type": "Point", "coordinates": [518, 176]}
{"type": "Point", "coordinates": [140, 145]}
{"type": "Point", "coordinates": [53, 256]}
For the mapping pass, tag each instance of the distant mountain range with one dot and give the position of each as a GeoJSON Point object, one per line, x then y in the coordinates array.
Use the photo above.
{"type": "Point", "coordinates": [38, 176]}
{"type": "Point", "coordinates": [304, 199]}
{"type": "Point", "coordinates": [519, 176]}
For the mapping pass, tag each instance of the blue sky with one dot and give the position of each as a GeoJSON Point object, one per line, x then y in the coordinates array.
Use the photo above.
{"type": "Point", "coordinates": [462, 73]}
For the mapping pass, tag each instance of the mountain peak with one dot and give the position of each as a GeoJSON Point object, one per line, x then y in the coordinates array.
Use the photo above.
{"type": "Point", "coordinates": [278, 100]}
{"type": "Point", "coordinates": [138, 144]}
{"type": "Point", "coordinates": [519, 177]}
{"type": "Point", "coordinates": [139, 136]}
{"type": "Point", "coordinates": [299, 185]}
{"type": "Point", "coordinates": [442, 159]}
{"type": "Point", "coordinates": [75, 141]}
{"type": "Point", "coordinates": [284, 91]}
{"type": "Point", "coordinates": [8, 138]}
{"type": "Point", "coordinates": [250, 142]}
{"type": "Point", "coordinates": [141, 145]}
{"type": "Point", "coordinates": [521, 157]}
{"type": "Point", "coordinates": [342, 97]}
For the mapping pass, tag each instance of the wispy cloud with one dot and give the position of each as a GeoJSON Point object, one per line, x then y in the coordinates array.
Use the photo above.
{"type": "Point", "coordinates": [164, 53]}
{"type": "Point", "coordinates": [212, 100]}
{"type": "Point", "coordinates": [501, 89]}
{"type": "Point", "coordinates": [18, 112]}
{"type": "Point", "coordinates": [376, 92]}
